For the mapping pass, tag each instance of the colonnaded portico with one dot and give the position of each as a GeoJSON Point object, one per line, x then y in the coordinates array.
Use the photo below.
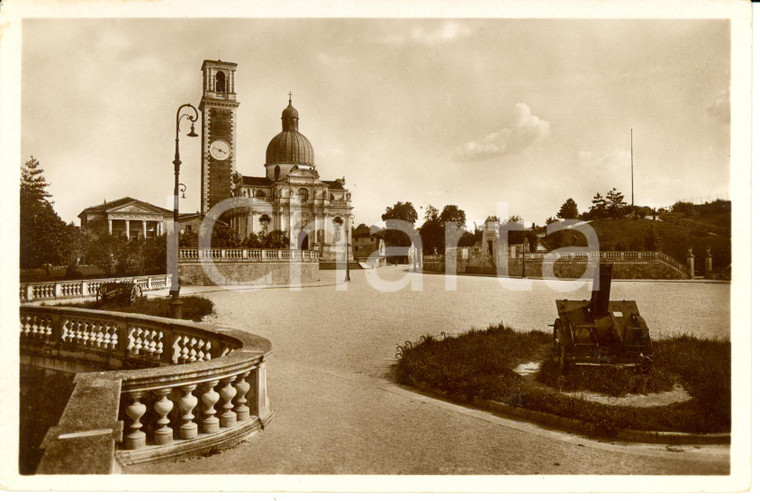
{"type": "Point", "coordinates": [126, 216]}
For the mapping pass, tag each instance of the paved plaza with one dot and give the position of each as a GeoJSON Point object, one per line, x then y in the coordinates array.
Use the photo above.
{"type": "Point", "coordinates": [338, 411]}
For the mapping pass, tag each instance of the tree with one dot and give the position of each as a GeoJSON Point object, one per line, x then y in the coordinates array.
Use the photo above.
{"type": "Point", "coordinates": [44, 237]}
{"type": "Point", "coordinates": [253, 241]}
{"type": "Point", "coordinates": [569, 210]}
{"type": "Point", "coordinates": [402, 210]}
{"type": "Point", "coordinates": [223, 236]}
{"type": "Point", "coordinates": [615, 204]}
{"type": "Point", "coordinates": [264, 221]}
{"type": "Point", "coordinates": [514, 229]}
{"type": "Point", "coordinates": [598, 209]}
{"type": "Point", "coordinates": [276, 239]}
{"type": "Point", "coordinates": [453, 214]}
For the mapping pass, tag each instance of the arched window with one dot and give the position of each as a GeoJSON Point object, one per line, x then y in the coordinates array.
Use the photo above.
{"type": "Point", "coordinates": [303, 194]}
{"type": "Point", "coordinates": [220, 81]}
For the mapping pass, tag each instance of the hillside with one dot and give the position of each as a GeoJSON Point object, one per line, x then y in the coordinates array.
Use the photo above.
{"type": "Point", "coordinates": [672, 237]}
{"type": "Point", "coordinates": [674, 232]}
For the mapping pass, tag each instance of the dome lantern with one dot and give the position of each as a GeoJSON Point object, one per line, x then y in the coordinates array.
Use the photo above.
{"type": "Point", "coordinates": [290, 146]}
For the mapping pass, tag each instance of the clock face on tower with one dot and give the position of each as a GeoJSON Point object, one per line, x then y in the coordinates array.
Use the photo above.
{"type": "Point", "coordinates": [220, 150]}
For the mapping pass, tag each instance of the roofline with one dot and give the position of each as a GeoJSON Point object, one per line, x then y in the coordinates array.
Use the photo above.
{"type": "Point", "coordinates": [218, 63]}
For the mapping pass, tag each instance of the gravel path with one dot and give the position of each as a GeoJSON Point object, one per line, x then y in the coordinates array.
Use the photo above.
{"type": "Point", "coordinates": [339, 413]}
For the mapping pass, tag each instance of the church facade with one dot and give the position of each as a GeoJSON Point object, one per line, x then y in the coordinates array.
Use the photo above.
{"type": "Point", "coordinates": [314, 214]}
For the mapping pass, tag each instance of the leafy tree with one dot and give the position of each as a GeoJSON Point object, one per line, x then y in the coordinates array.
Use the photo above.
{"type": "Point", "coordinates": [276, 239]}
{"type": "Point", "coordinates": [453, 214]}
{"type": "Point", "coordinates": [223, 236]}
{"type": "Point", "coordinates": [569, 210]}
{"type": "Point", "coordinates": [154, 255]}
{"type": "Point", "coordinates": [264, 221]}
{"type": "Point", "coordinates": [105, 252]}
{"type": "Point", "coordinates": [44, 237]}
{"type": "Point", "coordinates": [615, 203]}
{"type": "Point", "coordinates": [253, 241]}
{"type": "Point", "coordinates": [188, 239]}
{"type": "Point", "coordinates": [514, 229]}
{"type": "Point", "coordinates": [598, 209]}
{"type": "Point", "coordinates": [401, 210]}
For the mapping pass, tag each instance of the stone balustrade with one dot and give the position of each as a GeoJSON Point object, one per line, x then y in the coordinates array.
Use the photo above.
{"type": "Point", "coordinates": [177, 387]}
{"type": "Point", "coordinates": [247, 255]}
{"type": "Point", "coordinates": [608, 255]}
{"type": "Point", "coordinates": [74, 289]}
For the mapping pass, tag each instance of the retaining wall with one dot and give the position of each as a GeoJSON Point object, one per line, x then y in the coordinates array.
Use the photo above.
{"type": "Point", "coordinates": [249, 273]}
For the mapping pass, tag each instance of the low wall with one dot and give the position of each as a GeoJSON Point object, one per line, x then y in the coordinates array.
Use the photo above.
{"type": "Point", "coordinates": [249, 273]}
{"type": "Point", "coordinates": [164, 388]}
{"type": "Point", "coordinates": [75, 289]}
{"type": "Point", "coordinates": [653, 270]}
{"type": "Point", "coordinates": [627, 265]}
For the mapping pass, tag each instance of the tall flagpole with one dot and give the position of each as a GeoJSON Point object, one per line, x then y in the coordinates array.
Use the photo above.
{"type": "Point", "coordinates": [633, 204]}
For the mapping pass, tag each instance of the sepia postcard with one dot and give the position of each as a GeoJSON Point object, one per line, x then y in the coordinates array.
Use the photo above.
{"type": "Point", "coordinates": [421, 247]}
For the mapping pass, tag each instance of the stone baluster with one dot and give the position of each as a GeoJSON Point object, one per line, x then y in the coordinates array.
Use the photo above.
{"type": "Point", "coordinates": [242, 386]}
{"type": "Point", "coordinates": [209, 398]}
{"type": "Point", "coordinates": [188, 429]}
{"type": "Point", "coordinates": [136, 438]}
{"type": "Point", "coordinates": [227, 418]}
{"type": "Point", "coordinates": [163, 406]}
{"type": "Point", "coordinates": [261, 402]}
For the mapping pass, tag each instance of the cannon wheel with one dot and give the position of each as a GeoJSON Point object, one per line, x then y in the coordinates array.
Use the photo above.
{"type": "Point", "coordinates": [135, 294]}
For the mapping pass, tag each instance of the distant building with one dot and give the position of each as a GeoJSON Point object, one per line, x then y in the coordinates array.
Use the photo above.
{"type": "Point", "coordinates": [126, 216]}
{"type": "Point", "coordinates": [365, 245]}
{"type": "Point", "coordinates": [129, 216]}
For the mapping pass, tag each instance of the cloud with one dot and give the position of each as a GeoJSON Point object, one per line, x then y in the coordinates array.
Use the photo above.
{"type": "Point", "coordinates": [448, 31]}
{"type": "Point", "coordinates": [330, 60]}
{"type": "Point", "coordinates": [721, 108]}
{"type": "Point", "coordinates": [615, 161]}
{"type": "Point", "coordinates": [523, 129]}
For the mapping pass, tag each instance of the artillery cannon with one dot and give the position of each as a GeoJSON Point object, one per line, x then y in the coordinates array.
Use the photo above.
{"type": "Point", "coordinates": [600, 332]}
{"type": "Point", "coordinates": [118, 290]}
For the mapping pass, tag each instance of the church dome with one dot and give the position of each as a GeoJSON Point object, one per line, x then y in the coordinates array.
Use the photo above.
{"type": "Point", "coordinates": [290, 146]}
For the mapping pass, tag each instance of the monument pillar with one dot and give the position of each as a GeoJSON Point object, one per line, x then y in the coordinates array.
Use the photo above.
{"type": "Point", "coordinates": [690, 262]}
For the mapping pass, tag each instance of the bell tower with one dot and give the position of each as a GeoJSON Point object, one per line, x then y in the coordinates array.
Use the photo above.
{"type": "Point", "coordinates": [218, 148]}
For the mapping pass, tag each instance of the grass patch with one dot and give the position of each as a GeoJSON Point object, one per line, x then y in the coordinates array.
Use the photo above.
{"type": "Point", "coordinates": [193, 307]}
{"type": "Point", "coordinates": [613, 381]}
{"type": "Point", "coordinates": [479, 363]}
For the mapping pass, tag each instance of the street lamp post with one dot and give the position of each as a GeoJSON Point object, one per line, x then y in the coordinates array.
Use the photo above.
{"type": "Point", "coordinates": [348, 227]}
{"type": "Point", "coordinates": [175, 304]}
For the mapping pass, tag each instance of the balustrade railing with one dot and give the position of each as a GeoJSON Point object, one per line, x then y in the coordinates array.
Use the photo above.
{"type": "Point", "coordinates": [196, 386]}
{"type": "Point", "coordinates": [242, 255]}
{"type": "Point", "coordinates": [73, 289]}
{"type": "Point", "coordinates": [608, 255]}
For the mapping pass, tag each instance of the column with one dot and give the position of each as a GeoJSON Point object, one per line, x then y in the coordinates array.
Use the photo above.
{"type": "Point", "coordinates": [690, 263]}
{"type": "Point", "coordinates": [110, 226]}
{"type": "Point", "coordinates": [145, 228]}
{"type": "Point", "coordinates": [126, 222]}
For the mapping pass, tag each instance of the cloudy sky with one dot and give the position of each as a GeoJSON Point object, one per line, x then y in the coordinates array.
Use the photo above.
{"type": "Point", "coordinates": [467, 112]}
